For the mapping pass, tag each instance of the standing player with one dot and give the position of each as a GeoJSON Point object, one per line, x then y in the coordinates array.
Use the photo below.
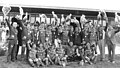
{"type": "Point", "coordinates": [12, 40]}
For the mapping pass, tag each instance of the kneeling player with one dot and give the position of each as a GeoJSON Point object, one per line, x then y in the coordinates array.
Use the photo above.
{"type": "Point", "coordinates": [32, 56]}
{"type": "Point", "coordinates": [40, 54]}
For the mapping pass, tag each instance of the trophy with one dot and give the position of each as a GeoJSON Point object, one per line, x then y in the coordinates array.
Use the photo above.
{"type": "Point", "coordinates": [6, 9]}
{"type": "Point", "coordinates": [21, 12]}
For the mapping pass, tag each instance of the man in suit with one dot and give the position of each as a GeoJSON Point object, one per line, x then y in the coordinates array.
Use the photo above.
{"type": "Point", "coordinates": [12, 46]}
{"type": "Point", "coordinates": [19, 36]}
{"type": "Point", "coordinates": [24, 35]}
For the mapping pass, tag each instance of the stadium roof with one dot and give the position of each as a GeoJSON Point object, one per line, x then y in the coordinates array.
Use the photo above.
{"type": "Point", "coordinates": [71, 4]}
{"type": "Point", "coordinates": [88, 7]}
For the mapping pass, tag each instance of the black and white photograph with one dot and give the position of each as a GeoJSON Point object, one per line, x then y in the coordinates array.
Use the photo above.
{"type": "Point", "coordinates": [59, 34]}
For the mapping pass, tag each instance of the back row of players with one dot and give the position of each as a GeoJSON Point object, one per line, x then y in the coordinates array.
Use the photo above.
{"type": "Point", "coordinates": [54, 43]}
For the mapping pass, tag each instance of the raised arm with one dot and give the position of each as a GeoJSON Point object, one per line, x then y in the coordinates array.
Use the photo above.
{"type": "Point", "coordinates": [21, 24]}
{"type": "Point", "coordinates": [105, 16]}
{"type": "Point", "coordinates": [8, 24]}
{"type": "Point", "coordinates": [20, 21]}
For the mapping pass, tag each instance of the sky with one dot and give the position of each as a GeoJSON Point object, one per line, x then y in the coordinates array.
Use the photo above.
{"type": "Point", "coordinates": [92, 4]}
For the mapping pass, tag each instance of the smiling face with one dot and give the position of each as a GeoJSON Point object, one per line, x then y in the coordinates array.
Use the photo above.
{"type": "Point", "coordinates": [36, 28]}
{"type": "Point", "coordinates": [41, 45]}
{"type": "Point", "coordinates": [28, 26]}
{"type": "Point", "coordinates": [41, 27]}
{"type": "Point", "coordinates": [71, 43]}
{"type": "Point", "coordinates": [14, 24]}
{"type": "Point", "coordinates": [76, 29]}
{"type": "Point", "coordinates": [34, 46]}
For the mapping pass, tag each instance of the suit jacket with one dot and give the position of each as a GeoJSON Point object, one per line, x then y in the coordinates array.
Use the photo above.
{"type": "Point", "coordinates": [24, 30]}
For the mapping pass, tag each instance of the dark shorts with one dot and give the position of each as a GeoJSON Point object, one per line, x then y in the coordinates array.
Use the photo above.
{"type": "Point", "coordinates": [13, 42]}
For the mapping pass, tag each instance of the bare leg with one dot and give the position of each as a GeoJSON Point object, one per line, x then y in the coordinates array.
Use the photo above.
{"type": "Point", "coordinates": [100, 49]}
{"type": "Point", "coordinates": [31, 62]}
{"type": "Point", "coordinates": [41, 62]}
{"type": "Point", "coordinates": [50, 60]}
{"type": "Point", "coordinates": [103, 49]}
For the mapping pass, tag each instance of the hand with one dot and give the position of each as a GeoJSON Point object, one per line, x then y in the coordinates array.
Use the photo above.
{"type": "Point", "coordinates": [38, 42]}
{"type": "Point", "coordinates": [24, 37]}
{"type": "Point", "coordinates": [78, 54]}
{"type": "Point", "coordinates": [25, 18]}
{"type": "Point", "coordinates": [18, 17]}
{"type": "Point", "coordinates": [48, 56]}
{"type": "Point", "coordinates": [12, 36]}
{"type": "Point", "coordinates": [96, 54]}
{"type": "Point", "coordinates": [68, 40]}
{"type": "Point", "coordinates": [66, 56]}
{"type": "Point", "coordinates": [6, 17]}
{"type": "Point", "coordinates": [29, 41]}
{"type": "Point", "coordinates": [56, 54]}
{"type": "Point", "coordinates": [21, 12]}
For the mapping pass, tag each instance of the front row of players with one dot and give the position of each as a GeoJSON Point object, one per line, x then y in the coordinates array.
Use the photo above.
{"type": "Point", "coordinates": [46, 54]}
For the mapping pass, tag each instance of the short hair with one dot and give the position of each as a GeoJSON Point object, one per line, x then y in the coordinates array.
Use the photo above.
{"type": "Point", "coordinates": [14, 20]}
